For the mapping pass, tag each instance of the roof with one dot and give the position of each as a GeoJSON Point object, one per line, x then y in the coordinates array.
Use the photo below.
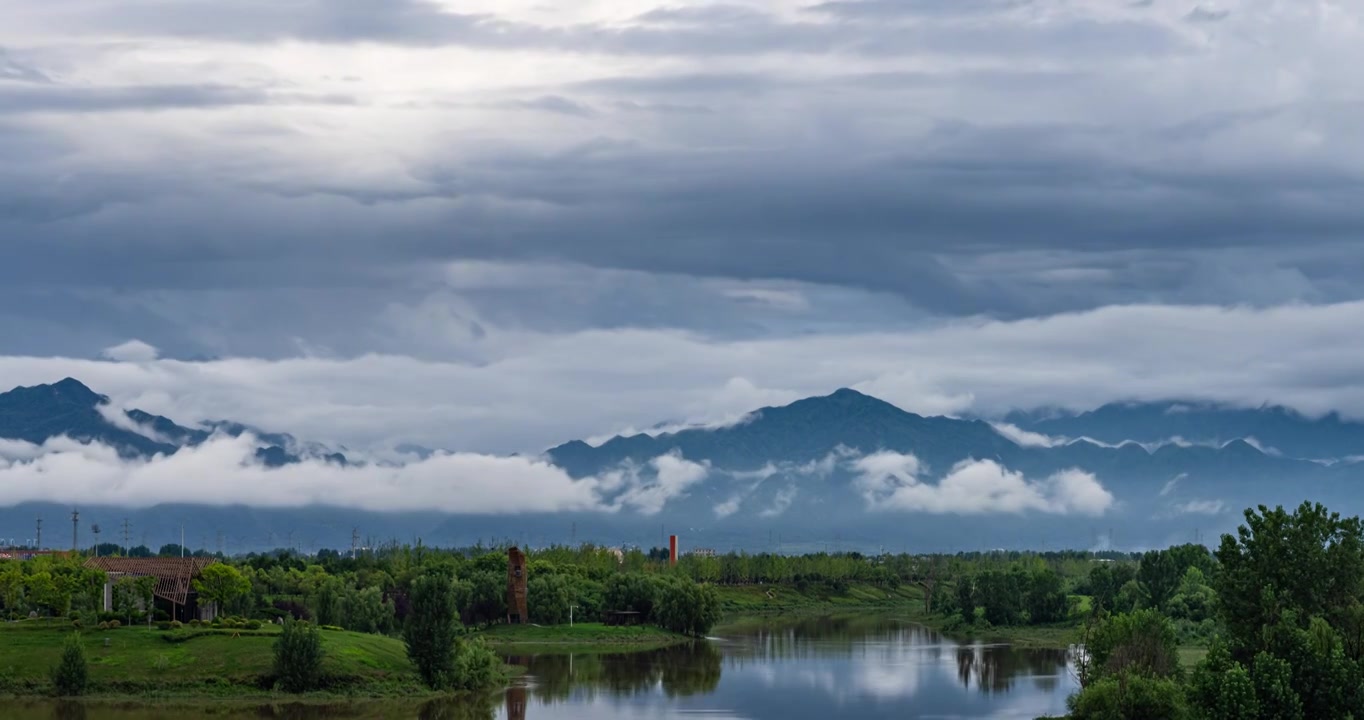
{"type": "Point", "coordinates": [173, 575]}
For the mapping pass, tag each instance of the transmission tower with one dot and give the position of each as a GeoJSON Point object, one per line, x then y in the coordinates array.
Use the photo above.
{"type": "Point", "coordinates": [354, 541]}
{"type": "Point", "coordinates": [75, 530]}
{"type": "Point", "coordinates": [38, 539]}
{"type": "Point", "coordinates": [95, 529]}
{"type": "Point", "coordinates": [125, 537]}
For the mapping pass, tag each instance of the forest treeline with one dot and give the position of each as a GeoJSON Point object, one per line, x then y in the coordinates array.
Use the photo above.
{"type": "Point", "coordinates": [1278, 603]}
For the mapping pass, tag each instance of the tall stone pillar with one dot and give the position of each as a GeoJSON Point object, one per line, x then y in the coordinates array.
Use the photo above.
{"type": "Point", "coordinates": [517, 613]}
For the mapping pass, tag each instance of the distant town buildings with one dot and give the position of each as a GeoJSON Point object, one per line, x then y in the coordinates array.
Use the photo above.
{"type": "Point", "coordinates": [703, 552]}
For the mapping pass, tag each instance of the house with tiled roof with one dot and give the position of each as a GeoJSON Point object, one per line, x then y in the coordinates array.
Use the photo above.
{"type": "Point", "coordinates": [174, 592]}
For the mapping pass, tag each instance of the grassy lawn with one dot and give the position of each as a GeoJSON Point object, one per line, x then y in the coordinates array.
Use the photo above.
{"type": "Point", "coordinates": [142, 660]}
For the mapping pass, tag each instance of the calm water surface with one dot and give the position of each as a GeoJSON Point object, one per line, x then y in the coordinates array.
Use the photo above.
{"type": "Point", "coordinates": [867, 668]}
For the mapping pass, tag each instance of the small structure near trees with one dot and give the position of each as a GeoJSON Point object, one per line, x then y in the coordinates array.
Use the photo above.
{"type": "Point", "coordinates": [174, 591]}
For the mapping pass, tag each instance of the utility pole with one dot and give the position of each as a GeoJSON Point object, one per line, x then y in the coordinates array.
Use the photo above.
{"type": "Point", "coordinates": [125, 537]}
{"type": "Point", "coordinates": [38, 539]}
{"type": "Point", "coordinates": [95, 530]}
{"type": "Point", "coordinates": [75, 530]}
{"type": "Point", "coordinates": [570, 615]}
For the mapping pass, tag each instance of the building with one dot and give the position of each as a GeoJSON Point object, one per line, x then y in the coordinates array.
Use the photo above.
{"type": "Point", "coordinates": [175, 577]}
{"type": "Point", "coordinates": [703, 552]}
{"type": "Point", "coordinates": [517, 613]}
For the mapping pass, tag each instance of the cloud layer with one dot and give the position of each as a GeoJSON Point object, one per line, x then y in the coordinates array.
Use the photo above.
{"type": "Point", "coordinates": [891, 481]}
{"type": "Point", "coordinates": [224, 471]}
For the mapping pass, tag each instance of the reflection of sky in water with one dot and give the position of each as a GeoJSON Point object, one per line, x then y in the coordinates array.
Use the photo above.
{"type": "Point", "coordinates": [858, 670]}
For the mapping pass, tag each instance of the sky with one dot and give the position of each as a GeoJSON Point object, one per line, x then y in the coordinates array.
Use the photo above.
{"type": "Point", "coordinates": [491, 226]}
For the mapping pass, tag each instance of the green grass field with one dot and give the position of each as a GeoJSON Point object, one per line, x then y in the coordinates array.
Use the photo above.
{"type": "Point", "coordinates": [138, 660]}
{"type": "Point", "coordinates": [742, 600]}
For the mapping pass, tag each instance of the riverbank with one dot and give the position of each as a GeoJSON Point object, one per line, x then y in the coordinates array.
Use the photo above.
{"type": "Point", "coordinates": [577, 638]}
{"type": "Point", "coordinates": [738, 601]}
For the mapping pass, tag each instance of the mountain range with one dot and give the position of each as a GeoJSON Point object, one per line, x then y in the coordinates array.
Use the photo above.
{"type": "Point", "coordinates": [843, 470]}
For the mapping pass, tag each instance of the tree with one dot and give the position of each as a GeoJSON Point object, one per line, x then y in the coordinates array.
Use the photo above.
{"type": "Point", "coordinates": [1221, 689]}
{"type": "Point", "coordinates": [1159, 575]}
{"type": "Point", "coordinates": [1129, 697]}
{"type": "Point", "coordinates": [1310, 562]}
{"type": "Point", "coordinates": [549, 597]}
{"type": "Point", "coordinates": [688, 608]}
{"type": "Point", "coordinates": [631, 592]}
{"type": "Point", "coordinates": [368, 611]}
{"type": "Point", "coordinates": [432, 630]}
{"type": "Point", "coordinates": [1274, 691]}
{"type": "Point", "coordinates": [966, 599]}
{"type": "Point", "coordinates": [1046, 599]}
{"type": "Point", "coordinates": [220, 584]}
{"type": "Point", "coordinates": [1001, 595]}
{"type": "Point", "coordinates": [71, 675]}
{"type": "Point", "coordinates": [1139, 643]}
{"type": "Point", "coordinates": [298, 657]}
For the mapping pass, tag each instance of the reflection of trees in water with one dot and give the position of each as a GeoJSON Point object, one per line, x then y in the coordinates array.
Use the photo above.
{"type": "Point", "coordinates": [994, 667]}
{"type": "Point", "coordinates": [679, 670]}
{"type": "Point", "coordinates": [822, 637]}
{"type": "Point", "coordinates": [464, 708]}
{"type": "Point", "coordinates": [68, 710]}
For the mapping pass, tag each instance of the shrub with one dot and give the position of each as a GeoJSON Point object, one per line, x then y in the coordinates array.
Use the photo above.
{"type": "Point", "coordinates": [76, 624]}
{"type": "Point", "coordinates": [1129, 697]}
{"type": "Point", "coordinates": [71, 674]}
{"type": "Point", "coordinates": [161, 615]}
{"type": "Point", "coordinates": [687, 608]}
{"type": "Point", "coordinates": [114, 624]}
{"type": "Point", "coordinates": [163, 626]}
{"type": "Point", "coordinates": [298, 657]}
{"type": "Point", "coordinates": [332, 627]}
{"type": "Point", "coordinates": [253, 625]}
{"type": "Point", "coordinates": [103, 625]}
{"type": "Point", "coordinates": [195, 622]}
{"type": "Point", "coordinates": [176, 624]}
{"type": "Point", "coordinates": [476, 666]}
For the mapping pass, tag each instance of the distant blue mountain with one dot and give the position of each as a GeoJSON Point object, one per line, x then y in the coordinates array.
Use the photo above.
{"type": "Point", "coordinates": [1275, 428]}
{"type": "Point", "coordinates": [69, 408]}
{"type": "Point", "coordinates": [786, 476]}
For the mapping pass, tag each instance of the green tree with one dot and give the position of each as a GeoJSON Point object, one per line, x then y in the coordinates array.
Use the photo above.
{"type": "Point", "coordinates": [631, 592]}
{"type": "Point", "coordinates": [71, 675]}
{"type": "Point", "coordinates": [432, 630]}
{"type": "Point", "coordinates": [688, 608]}
{"type": "Point", "coordinates": [1309, 562]}
{"type": "Point", "coordinates": [1221, 689]}
{"type": "Point", "coordinates": [966, 599]}
{"type": "Point", "coordinates": [298, 657]}
{"type": "Point", "coordinates": [368, 611]}
{"type": "Point", "coordinates": [1046, 598]}
{"type": "Point", "coordinates": [220, 584]}
{"type": "Point", "coordinates": [1159, 574]}
{"type": "Point", "coordinates": [1139, 643]}
{"type": "Point", "coordinates": [1274, 689]}
{"type": "Point", "coordinates": [549, 597]}
{"type": "Point", "coordinates": [1129, 697]}
{"type": "Point", "coordinates": [1000, 594]}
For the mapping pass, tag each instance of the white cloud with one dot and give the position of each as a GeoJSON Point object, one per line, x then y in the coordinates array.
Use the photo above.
{"type": "Point", "coordinates": [1170, 485]}
{"type": "Point", "coordinates": [781, 503]}
{"type": "Point", "coordinates": [225, 471]}
{"type": "Point", "coordinates": [529, 390]}
{"type": "Point", "coordinates": [889, 481]}
{"type": "Point", "coordinates": [729, 507]}
{"type": "Point", "coordinates": [1200, 507]}
{"type": "Point", "coordinates": [131, 351]}
{"type": "Point", "coordinates": [787, 300]}
{"type": "Point", "coordinates": [1027, 438]}
{"type": "Point", "coordinates": [672, 477]}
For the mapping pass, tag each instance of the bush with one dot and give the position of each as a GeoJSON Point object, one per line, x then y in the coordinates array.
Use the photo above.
{"type": "Point", "coordinates": [1129, 697]}
{"type": "Point", "coordinates": [476, 666]}
{"type": "Point", "coordinates": [76, 624]}
{"type": "Point", "coordinates": [163, 626]}
{"type": "Point", "coordinates": [332, 627]}
{"type": "Point", "coordinates": [104, 626]}
{"type": "Point", "coordinates": [176, 624]}
{"type": "Point", "coordinates": [114, 624]}
{"type": "Point", "coordinates": [298, 658]}
{"type": "Point", "coordinates": [253, 625]}
{"type": "Point", "coordinates": [71, 675]}
{"type": "Point", "coordinates": [161, 616]}
{"type": "Point", "coordinates": [195, 622]}
{"type": "Point", "coordinates": [687, 608]}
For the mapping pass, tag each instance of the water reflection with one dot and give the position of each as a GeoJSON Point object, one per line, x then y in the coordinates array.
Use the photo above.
{"type": "Point", "coordinates": [815, 668]}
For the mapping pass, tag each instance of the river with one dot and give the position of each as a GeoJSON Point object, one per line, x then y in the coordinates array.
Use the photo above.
{"type": "Point", "coordinates": [852, 667]}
